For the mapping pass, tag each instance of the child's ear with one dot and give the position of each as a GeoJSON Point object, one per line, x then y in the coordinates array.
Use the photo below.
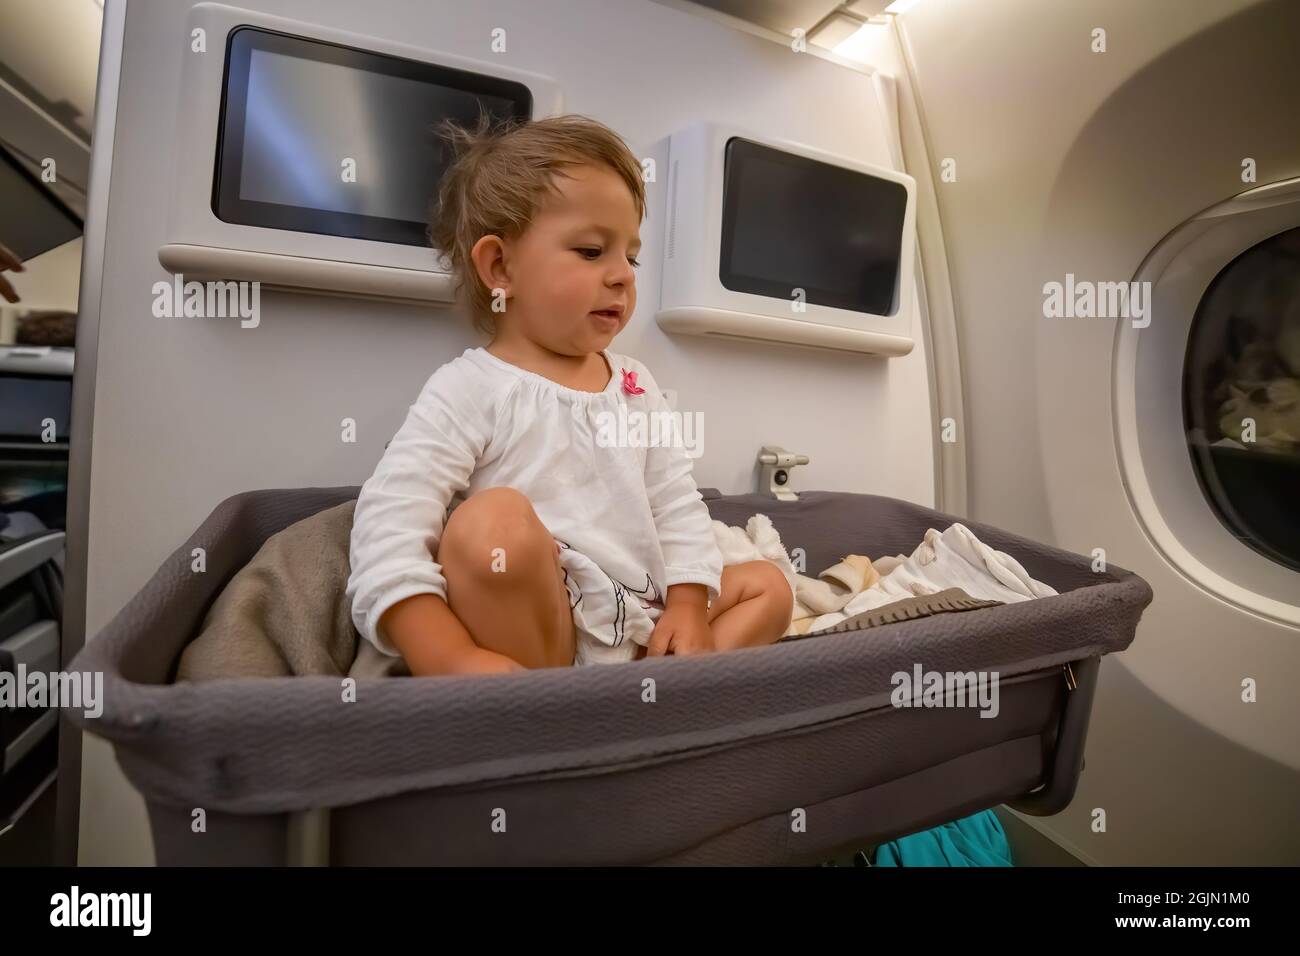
{"type": "Point", "coordinates": [489, 258]}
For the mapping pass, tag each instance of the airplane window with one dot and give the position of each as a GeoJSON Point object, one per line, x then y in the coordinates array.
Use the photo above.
{"type": "Point", "coordinates": [1241, 395]}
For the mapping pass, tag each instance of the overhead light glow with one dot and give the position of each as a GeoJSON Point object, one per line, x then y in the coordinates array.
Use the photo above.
{"type": "Point", "coordinates": [852, 46]}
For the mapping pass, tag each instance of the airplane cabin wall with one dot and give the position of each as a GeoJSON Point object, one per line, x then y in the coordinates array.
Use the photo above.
{"type": "Point", "coordinates": [1073, 161]}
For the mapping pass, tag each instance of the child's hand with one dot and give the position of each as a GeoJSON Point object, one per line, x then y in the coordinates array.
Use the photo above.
{"type": "Point", "coordinates": [681, 629]}
{"type": "Point", "coordinates": [491, 662]}
{"type": "Point", "coordinates": [8, 260]}
{"type": "Point", "coordinates": [482, 661]}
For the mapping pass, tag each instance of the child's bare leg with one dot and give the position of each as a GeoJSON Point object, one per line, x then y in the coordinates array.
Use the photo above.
{"type": "Point", "coordinates": [504, 581]}
{"type": "Point", "coordinates": [753, 606]}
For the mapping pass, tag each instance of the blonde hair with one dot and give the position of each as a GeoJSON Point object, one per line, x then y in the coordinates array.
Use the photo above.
{"type": "Point", "coordinates": [498, 179]}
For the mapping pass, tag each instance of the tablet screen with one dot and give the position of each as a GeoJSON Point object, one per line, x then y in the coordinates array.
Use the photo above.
{"type": "Point", "coordinates": [790, 222]}
{"type": "Point", "coordinates": [329, 139]}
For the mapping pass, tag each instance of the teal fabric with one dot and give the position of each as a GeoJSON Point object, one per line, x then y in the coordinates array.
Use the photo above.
{"type": "Point", "coordinates": [977, 840]}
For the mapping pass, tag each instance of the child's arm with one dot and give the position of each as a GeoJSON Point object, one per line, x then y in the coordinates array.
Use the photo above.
{"type": "Point", "coordinates": [685, 528]}
{"type": "Point", "coordinates": [409, 624]}
{"type": "Point", "coordinates": [396, 587]}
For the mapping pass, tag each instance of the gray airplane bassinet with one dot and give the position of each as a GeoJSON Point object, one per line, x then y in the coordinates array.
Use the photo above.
{"type": "Point", "coordinates": [785, 754]}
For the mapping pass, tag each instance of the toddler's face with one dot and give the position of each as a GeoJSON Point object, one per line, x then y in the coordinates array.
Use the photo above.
{"type": "Point", "coordinates": [575, 259]}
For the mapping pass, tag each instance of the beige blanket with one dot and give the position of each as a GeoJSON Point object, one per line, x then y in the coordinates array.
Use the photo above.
{"type": "Point", "coordinates": [286, 612]}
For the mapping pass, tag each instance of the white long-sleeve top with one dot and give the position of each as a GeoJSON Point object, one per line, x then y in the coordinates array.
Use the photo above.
{"type": "Point", "coordinates": [481, 422]}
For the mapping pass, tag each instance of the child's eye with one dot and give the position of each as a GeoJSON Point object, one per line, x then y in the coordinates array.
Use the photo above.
{"type": "Point", "coordinates": [636, 263]}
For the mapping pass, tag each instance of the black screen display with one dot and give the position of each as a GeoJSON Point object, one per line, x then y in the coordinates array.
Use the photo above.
{"type": "Point", "coordinates": [26, 401]}
{"type": "Point", "coordinates": [327, 139]}
{"type": "Point", "coordinates": [789, 222]}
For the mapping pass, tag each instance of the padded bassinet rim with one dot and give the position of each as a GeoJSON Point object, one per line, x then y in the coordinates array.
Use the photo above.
{"type": "Point", "coordinates": [283, 744]}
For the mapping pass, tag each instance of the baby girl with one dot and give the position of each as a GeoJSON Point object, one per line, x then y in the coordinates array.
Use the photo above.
{"type": "Point", "coordinates": [502, 529]}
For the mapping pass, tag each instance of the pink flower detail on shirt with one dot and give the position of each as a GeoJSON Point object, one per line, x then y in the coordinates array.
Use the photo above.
{"type": "Point", "coordinates": [629, 383]}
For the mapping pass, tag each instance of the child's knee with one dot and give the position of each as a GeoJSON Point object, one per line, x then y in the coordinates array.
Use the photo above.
{"type": "Point", "coordinates": [492, 507]}
{"type": "Point", "coordinates": [495, 535]}
{"type": "Point", "coordinates": [777, 593]}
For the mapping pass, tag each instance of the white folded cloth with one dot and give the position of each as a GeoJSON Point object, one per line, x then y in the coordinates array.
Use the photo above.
{"type": "Point", "coordinates": [953, 559]}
